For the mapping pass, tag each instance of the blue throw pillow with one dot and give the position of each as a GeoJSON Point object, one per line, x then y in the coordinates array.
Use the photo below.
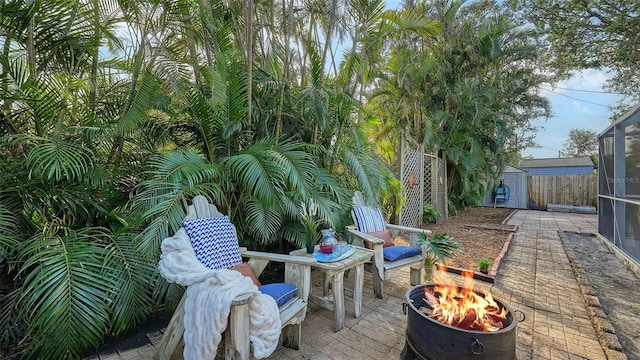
{"type": "Point", "coordinates": [393, 253]}
{"type": "Point", "coordinates": [368, 219]}
{"type": "Point", "coordinates": [280, 292]}
{"type": "Point", "coordinates": [214, 241]}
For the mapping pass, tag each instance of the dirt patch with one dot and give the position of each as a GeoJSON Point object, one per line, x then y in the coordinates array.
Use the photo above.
{"type": "Point", "coordinates": [616, 287]}
{"type": "Point", "coordinates": [480, 232]}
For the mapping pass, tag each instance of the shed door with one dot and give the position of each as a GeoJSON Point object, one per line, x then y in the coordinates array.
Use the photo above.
{"type": "Point", "coordinates": [511, 180]}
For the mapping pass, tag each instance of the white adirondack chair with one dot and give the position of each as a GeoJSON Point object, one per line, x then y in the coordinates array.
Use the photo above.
{"type": "Point", "coordinates": [380, 268]}
{"type": "Point", "coordinates": [236, 336]}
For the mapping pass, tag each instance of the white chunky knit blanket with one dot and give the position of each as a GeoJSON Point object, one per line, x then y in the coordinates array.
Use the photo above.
{"type": "Point", "coordinates": [208, 303]}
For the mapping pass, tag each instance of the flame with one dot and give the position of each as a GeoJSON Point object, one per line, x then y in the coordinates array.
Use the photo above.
{"type": "Point", "coordinates": [464, 308]}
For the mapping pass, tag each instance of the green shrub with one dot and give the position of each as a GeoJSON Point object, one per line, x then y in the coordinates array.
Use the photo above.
{"type": "Point", "coordinates": [438, 249]}
{"type": "Point", "coordinates": [430, 213]}
{"type": "Point", "coordinates": [483, 264]}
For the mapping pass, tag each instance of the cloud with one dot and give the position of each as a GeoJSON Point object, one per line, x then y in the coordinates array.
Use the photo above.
{"type": "Point", "coordinates": [580, 108]}
{"type": "Point", "coordinates": [574, 105]}
{"type": "Point", "coordinates": [545, 90]}
{"type": "Point", "coordinates": [585, 80]}
{"type": "Point", "coordinates": [588, 79]}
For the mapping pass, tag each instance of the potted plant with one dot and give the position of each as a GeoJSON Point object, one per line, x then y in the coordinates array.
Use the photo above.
{"type": "Point", "coordinates": [483, 264]}
{"type": "Point", "coordinates": [310, 222]}
{"type": "Point", "coordinates": [438, 249]}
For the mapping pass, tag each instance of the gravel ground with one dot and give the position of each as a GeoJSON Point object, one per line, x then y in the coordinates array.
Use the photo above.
{"type": "Point", "coordinates": [617, 288]}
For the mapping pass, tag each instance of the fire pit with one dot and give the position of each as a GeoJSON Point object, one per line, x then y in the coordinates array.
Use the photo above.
{"type": "Point", "coordinates": [439, 329]}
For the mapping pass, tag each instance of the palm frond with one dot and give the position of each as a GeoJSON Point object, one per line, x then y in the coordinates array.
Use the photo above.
{"type": "Point", "coordinates": [234, 108]}
{"type": "Point", "coordinates": [257, 171]}
{"type": "Point", "coordinates": [316, 66]}
{"type": "Point", "coordinates": [64, 275]}
{"type": "Point", "coordinates": [293, 231]}
{"type": "Point", "coordinates": [142, 101]}
{"type": "Point", "coordinates": [261, 221]}
{"type": "Point", "coordinates": [41, 101]}
{"type": "Point", "coordinates": [329, 210]}
{"type": "Point", "coordinates": [352, 162]}
{"type": "Point", "coordinates": [298, 166]}
{"type": "Point", "coordinates": [15, 67]}
{"type": "Point", "coordinates": [12, 326]}
{"type": "Point", "coordinates": [315, 103]}
{"type": "Point", "coordinates": [8, 233]}
{"type": "Point", "coordinates": [438, 249]}
{"type": "Point", "coordinates": [409, 19]}
{"type": "Point", "coordinates": [56, 159]}
{"type": "Point", "coordinates": [132, 298]}
{"type": "Point", "coordinates": [173, 179]}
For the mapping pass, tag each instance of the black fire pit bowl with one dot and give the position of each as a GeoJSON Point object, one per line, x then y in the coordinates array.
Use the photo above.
{"type": "Point", "coordinates": [430, 339]}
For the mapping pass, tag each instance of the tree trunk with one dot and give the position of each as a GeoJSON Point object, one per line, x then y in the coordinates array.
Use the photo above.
{"type": "Point", "coordinates": [94, 57]}
{"type": "Point", "coordinates": [248, 27]}
{"type": "Point", "coordinates": [285, 72]}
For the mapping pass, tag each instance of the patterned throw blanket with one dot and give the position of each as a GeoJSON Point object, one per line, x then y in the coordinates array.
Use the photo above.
{"type": "Point", "coordinates": [208, 303]}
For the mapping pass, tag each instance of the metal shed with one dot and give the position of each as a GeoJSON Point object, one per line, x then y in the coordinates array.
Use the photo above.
{"type": "Point", "coordinates": [516, 180]}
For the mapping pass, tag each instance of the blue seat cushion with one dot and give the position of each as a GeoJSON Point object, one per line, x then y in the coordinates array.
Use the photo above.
{"type": "Point", "coordinates": [280, 292]}
{"type": "Point", "coordinates": [393, 253]}
{"type": "Point", "coordinates": [214, 242]}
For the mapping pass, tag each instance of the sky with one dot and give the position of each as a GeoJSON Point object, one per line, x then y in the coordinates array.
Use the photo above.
{"type": "Point", "coordinates": [579, 102]}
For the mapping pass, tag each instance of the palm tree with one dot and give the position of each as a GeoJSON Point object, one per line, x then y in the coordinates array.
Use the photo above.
{"type": "Point", "coordinates": [68, 121]}
{"type": "Point", "coordinates": [487, 90]}
{"type": "Point", "coordinates": [103, 153]}
{"type": "Point", "coordinates": [462, 93]}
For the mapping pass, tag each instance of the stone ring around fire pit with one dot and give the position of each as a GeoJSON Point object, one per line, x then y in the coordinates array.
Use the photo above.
{"type": "Point", "coordinates": [450, 322]}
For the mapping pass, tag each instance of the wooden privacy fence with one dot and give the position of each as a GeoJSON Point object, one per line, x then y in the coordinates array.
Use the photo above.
{"type": "Point", "coordinates": [579, 190]}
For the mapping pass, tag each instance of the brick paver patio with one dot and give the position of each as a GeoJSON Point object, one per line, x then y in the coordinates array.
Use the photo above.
{"type": "Point", "coordinates": [535, 277]}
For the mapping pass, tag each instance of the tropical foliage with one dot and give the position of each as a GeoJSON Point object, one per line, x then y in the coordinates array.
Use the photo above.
{"type": "Point", "coordinates": [438, 249]}
{"type": "Point", "coordinates": [467, 93]}
{"type": "Point", "coordinates": [115, 113]}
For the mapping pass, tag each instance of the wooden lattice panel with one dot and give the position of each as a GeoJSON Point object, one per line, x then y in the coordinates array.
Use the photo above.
{"type": "Point", "coordinates": [412, 180]}
{"type": "Point", "coordinates": [442, 188]}
{"type": "Point", "coordinates": [424, 180]}
{"type": "Point", "coordinates": [427, 190]}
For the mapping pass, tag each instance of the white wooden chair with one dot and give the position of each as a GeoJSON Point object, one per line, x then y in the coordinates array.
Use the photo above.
{"type": "Point", "coordinates": [236, 336]}
{"type": "Point", "coordinates": [370, 231]}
